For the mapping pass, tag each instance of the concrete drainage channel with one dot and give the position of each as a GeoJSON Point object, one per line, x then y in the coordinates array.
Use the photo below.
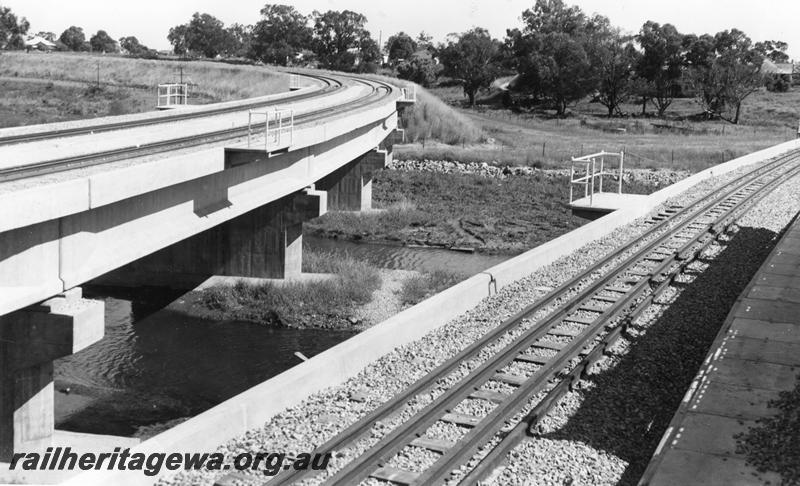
{"type": "Point", "coordinates": [253, 408]}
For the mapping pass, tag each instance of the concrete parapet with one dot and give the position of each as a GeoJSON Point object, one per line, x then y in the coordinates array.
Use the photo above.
{"type": "Point", "coordinates": [30, 339]}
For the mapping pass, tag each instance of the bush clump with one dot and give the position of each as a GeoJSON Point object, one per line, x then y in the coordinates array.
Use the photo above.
{"type": "Point", "coordinates": [321, 303]}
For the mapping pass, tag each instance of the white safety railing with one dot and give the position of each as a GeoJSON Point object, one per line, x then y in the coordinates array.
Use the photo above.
{"type": "Point", "coordinates": [588, 172]}
{"type": "Point", "coordinates": [172, 94]}
{"type": "Point", "coordinates": [278, 128]}
{"type": "Point", "coordinates": [409, 94]}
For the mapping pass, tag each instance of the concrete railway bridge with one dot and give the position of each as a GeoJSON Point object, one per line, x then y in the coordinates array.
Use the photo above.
{"type": "Point", "coordinates": [178, 195]}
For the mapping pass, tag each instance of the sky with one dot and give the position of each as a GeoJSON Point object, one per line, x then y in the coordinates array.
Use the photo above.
{"type": "Point", "coordinates": [150, 20]}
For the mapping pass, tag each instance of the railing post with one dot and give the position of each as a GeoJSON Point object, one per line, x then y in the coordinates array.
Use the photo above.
{"type": "Point", "coordinates": [571, 179]}
{"type": "Point", "coordinates": [621, 162]}
{"type": "Point", "coordinates": [249, 126]}
{"type": "Point", "coordinates": [602, 165]}
{"type": "Point", "coordinates": [591, 193]}
{"type": "Point", "coordinates": [586, 183]}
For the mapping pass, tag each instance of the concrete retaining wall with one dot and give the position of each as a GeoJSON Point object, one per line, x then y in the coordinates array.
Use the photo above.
{"type": "Point", "coordinates": [254, 407]}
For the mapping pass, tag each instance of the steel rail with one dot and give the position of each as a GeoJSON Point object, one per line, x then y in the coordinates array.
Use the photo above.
{"type": "Point", "coordinates": [526, 427]}
{"type": "Point", "coordinates": [332, 84]}
{"type": "Point", "coordinates": [369, 464]}
{"type": "Point", "coordinates": [108, 156]}
{"type": "Point", "coordinates": [362, 426]}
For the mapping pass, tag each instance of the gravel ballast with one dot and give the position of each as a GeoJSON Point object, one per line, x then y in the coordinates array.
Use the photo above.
{"type": "Point", "coordinates": [605, 432]}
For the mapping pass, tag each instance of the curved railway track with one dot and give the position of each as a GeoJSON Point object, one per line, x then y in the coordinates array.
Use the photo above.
{"type": "Point", "coordinates": [378, 89]}
{"type": "Point", "coordinates": [329, 84]}
{"type": "Point", "coordinates": [587, 314]}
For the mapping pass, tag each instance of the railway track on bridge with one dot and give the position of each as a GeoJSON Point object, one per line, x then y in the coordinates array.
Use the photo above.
{"type": "Point", "coordinates": [550, 345]}
{"type": "Point", "coordinates": [378, 90]}
{"type": "Point", "coordinates": [329, 84]}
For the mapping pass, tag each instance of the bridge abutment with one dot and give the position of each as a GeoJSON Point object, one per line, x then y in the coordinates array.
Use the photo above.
{"type": "Point", "coordinates": [30, 340]}
{"type": "Point", "coordinates": [266, 242]}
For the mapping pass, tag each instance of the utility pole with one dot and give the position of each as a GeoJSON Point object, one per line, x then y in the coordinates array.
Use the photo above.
{"type": "Point", "coordinates": [98, 74]}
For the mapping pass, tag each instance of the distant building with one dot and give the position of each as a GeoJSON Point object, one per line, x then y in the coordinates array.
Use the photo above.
{"type": "Point", "coordinates": [39, 44]}
{"type": "Point", "coordinates": [780, 68]}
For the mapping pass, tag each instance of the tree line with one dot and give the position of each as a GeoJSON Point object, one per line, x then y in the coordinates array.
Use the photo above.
{"type": "Point", "coordinates": [14, 30]}
{"type": "Point", "coordinates": [334, 39]}
{"type": "Point", "coordinates": [559, 55]}
{"type": "Point", "coordinates": [562, 55]}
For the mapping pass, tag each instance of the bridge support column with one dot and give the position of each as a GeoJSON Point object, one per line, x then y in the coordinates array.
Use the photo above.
{"type": "Point", "coordinates": [350, 187]}
{"type": "Point", "coordinates": [30, 339]}
{"type": "Point", "coordinates": [266, 242]}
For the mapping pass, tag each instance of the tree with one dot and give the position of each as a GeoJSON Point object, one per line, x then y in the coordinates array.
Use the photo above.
{"type": "Point", "coordinates": [425, 42]}
{"type": "Point", "coordinates": [73, 38]}
{"type": "Point", "coordinates": [177, 37]}
{"type": "Point", "coordinates": [661, 62]}
{"type": "Point", "coordinates": [133, 47]}
{"type": "Point", "coordinates": [238, 40]}
{"type": "Point", "coordinates": [12, 29]}
{"type": "Point", "coordinates": [472, 58]}
{"type": "Point", "coordinates": [369, 55]}
{"type": "Point", "coordinates": [340, 38]}
{"type": "Point", "coordinates": [616, 59]}
{"type": "Point", "coordinates": [419, 68]}
{"type": "Point", "coordinates": [51, 36]}
{"type": "Point", "coordinates": [727, 76]}
{"type": "Point", "coordinates": [556, 52]}
{"type": "Point", "coordinates": [775, 51]}
{"type": "Point", "coordinates": [280, 35]}
{"type": "Point", "coordinates": [102, 42]}
{"type": "Point", "coordinates": [204, 35]}
{"type": "Point", "coordinates": [400, 47]}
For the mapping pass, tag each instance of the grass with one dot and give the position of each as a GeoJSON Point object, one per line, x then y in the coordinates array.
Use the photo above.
{"type": "Point", "coordinates": [503, 216]}
{"type": "Point", "coordinates": [537, 138]}
{"type": "Point", "coordinates": [432, 118]}
{"type": "Point", "coordinates": [325, 303]}
{"type": "Point", "coordinates": [356, 225]}
{"type": "Point", "coordinates": [421, 286]}
{"type": "Point", "coordinates": [46, 88]}
{"type": "Point", "coordinates": [213, 81]}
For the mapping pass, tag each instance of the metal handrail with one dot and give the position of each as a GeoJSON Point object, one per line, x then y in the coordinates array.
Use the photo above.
{"type": "Point", "coordinates": [172, 94]}
{"type": "Point", "coordinates": [278, 128]}
{"type": "Point", "coordinates": [590, 173]}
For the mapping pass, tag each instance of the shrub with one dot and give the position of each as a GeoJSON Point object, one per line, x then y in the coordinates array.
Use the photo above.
{"type": "Point", "coordinates": [322, 303]}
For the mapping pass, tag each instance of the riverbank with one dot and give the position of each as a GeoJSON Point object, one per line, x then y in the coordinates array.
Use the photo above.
{"type": "Point", "coordinates": [347, 293]}
{"type": "Point", "coordinates": [470, 207]}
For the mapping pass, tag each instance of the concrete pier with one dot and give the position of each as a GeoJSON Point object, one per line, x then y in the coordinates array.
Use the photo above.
{"type": "Point", "coordinates": [266, 242]}
{"type": "Point", "coordinates": [349, 188]}
{"type": "Point", "coordinates": [30, 340]}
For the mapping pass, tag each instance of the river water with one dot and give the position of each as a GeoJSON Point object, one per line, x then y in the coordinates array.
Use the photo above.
{"type": "Point", "coordinates": [157, 365]}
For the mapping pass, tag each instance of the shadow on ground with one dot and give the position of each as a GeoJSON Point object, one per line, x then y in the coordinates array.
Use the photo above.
{"type": "Point", "coordinates": [630, 407]}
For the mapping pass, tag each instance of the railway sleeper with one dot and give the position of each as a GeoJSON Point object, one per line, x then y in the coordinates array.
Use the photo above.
{"type": "Point", "coordinates": [488, 395]}
{"type": "Point", "coordinates": [435, 445]}
{"type": "Point", "coordinates": [395, 475]}
{"type": "Point", "coordinates": [461, 419]}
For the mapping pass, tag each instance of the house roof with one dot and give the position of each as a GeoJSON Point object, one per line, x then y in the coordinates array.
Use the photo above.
{"type": "Point", "coordinates": [777, 67]}
{"type": "Point", "coordinates": [36, 40]}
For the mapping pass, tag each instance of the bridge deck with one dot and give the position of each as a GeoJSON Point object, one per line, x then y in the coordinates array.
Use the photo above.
{"type": "Point", "coordinates": [79, 145]}
{"type": "Point", "coordinates": [755, 356]}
